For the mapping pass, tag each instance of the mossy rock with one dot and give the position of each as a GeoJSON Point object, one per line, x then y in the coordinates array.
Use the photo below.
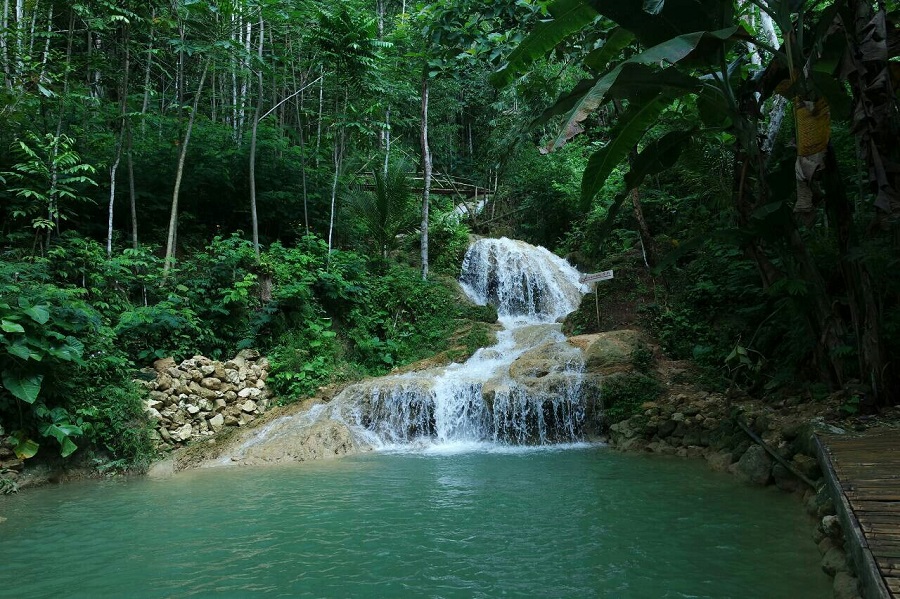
{"type": "Point", "coordinates": [610, 352]}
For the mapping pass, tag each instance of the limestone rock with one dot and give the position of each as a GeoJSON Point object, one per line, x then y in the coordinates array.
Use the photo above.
{"type": "Point", "coordinates": [217, 422]}
{"type": "Point", "coordinates": [834, 561]}
{"type": "Point", "coordinates": [785, 480]}
{"type": "Point", "coordinates": [807, 466]}
{"type": "Point", "coordinates": [825, 545]}
{"type": "Point", "coordinates": [248, 354]}
{"type": "Point", "coordinates": [831, 526]}
{"type": "Point", "coordinates": [182, 434]}
{"type": "Point", "coordinates": [845, 586]}
{"type": "Point", "coordinates": [755, 466]}
{"type": "Point", "coordinates": [249, 406]}
{"type": "Point", "coordinates": [211, 383]}
{"type": "Point", "coordinates": [163, 364]}
{"type": "Point", "coordinates": [322, 439]}
{"type": "Point", "coordinates": [719, 461]}
{"type": "Point", "coordinates": [192, 409]}
{"type": "Point", "coordinates": [608, 352]}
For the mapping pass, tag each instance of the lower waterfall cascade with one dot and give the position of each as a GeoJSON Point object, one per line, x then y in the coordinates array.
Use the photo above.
{"type": "Point", "coordinates": [499, 396]}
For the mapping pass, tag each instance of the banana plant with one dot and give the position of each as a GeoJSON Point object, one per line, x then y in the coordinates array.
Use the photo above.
{"type": "Point", "coordinates": [653, 53]}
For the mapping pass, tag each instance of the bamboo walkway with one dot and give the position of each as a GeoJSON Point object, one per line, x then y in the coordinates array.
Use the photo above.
{"type": "Point", "coordinates": [863, 472]}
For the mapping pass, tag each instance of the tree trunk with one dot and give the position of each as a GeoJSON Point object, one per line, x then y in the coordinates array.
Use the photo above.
{"type": "Point", "coordinates": [173, 214]}
{"type": "Point", "coordinates": [123, 110]}
{"type": "Point", "coordinates": [426, 168]}
{"type": "Point", "coordinates": [651, 253]}
{"type": "Point", "coordinates": [387, 139]}
{"type": "Point", "coordinates": [259, 101]}
{"type": "Point", "coordinates": [131, 192]}
{"type": "Point", "coordinates": [112, 190]}
{"type": "Point", "coordinates": [147, 70]}
{"type": "Point", "coordinates": [321, 108]}
{"type": "Point", "coordinates": [4, 46]}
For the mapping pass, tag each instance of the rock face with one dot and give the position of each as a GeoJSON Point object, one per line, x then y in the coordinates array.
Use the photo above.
{"type": "Point", "coordinates": [197, 398]}
{"type": "Point", "coordinates": [755, 466]}
{"type": "Point", "coordinates": [609, 352]}
{"type": "Point", "coordinates": [322, 439]}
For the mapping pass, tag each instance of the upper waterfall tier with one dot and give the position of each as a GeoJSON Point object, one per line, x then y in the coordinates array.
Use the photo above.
{"type": "Point", "coordinates": [523, 281]}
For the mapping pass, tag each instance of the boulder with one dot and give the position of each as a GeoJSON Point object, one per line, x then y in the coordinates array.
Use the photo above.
{"type": "Point", "coordinates": [609, 352]}
{"type": "Point", "coordinates": [248, 354]}
{"type": "Point", "coordinates": [785, 480]}
{"type": "Point", "coordinates": [322, 439]}
{"type": "Point", "coordinates": [719, 461]}
{"type": "Point", "coordinates": [831, 526]}
{"type": "Point", "coordinates": [807, 466]}
{"type": "Point", "coordinates": [211, 383]}
{"type": "Point", "coordinates": [845, 586]}
{"type": "Point", "coordinates": [834, 561]}
{"type": "Point", "coordinates": [163, 364]}
{"type": "Point", "coordinates": [182, 434]}
{"type": "Point", "coordinates": [217, 422]}
{"type": "Point", "coordinates": [755, 466]}
{"type": "Point", "coordinates": [249, 406]}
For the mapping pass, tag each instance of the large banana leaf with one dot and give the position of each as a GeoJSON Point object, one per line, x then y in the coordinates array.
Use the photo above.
{"type": "Point", "coordinates": [631, 127]}
{"type": "Point", "coordinates": [625, 80]}
{"type": "Point", "coordinates": [654, 23]}
{"type": "Point", "coordinates": [634, 77]}
{"type": "Point", "coordinates": [616, 41]}
{"type": "Point", "coordinates": [658, 156]}
{"type": "Point", "coordinates": [569, 16]}
{"type": "Point", "coordinates": [655, 158]}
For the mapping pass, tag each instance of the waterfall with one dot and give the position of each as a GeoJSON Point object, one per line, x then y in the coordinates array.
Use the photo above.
{"type": "Point", "coordinates": [479, 401]}
{"type": "Point", "coordinates": [526, 389]}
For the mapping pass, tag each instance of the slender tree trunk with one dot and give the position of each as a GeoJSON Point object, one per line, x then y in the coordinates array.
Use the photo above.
{"type": "Point", "coordinates": [20, 39]}
{"type": "Point", "coordinates": [387, 139]}
{"type": "Point", "coordinates": [300, 127]}
{"type": "Point", "coordinates": [173, 215]}
{"type": "Point", "coordinates": [259, 101]}
{"type": "Point", "coordinates": [338, 156]}
{"type": "Point", "coordinates": [321, 109]}
{"type": "Point", "coordinates": [426, 168]}
{"type": "Point", "coordinates": [4, 46]}
{"type": "Point", "coordinates": [45, 56]}
{"type": "Point", "coordinates": [147, 70]}
{"type": "Point", "coordinates": [112, 190]}
{"type": "Point", "coordinates": [132, 196]}
{"type": "Point", "coordinates": [651, 253]}
{"type": "Point", "coordinates": [120, 143]}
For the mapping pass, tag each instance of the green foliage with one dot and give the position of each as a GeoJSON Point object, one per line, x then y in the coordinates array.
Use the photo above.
{"type": "Point", "coordinates": [48, 180]}
{"type": "Point", "coordinates": [624, 394]}
{"type": "Point", "coordinates": [386, 211]}
{"type": "Point", "coordinates": [303, 360]}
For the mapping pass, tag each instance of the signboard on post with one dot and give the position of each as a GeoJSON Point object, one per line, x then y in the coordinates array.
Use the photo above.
{"type": "Point", "coordinates": [597, 276]}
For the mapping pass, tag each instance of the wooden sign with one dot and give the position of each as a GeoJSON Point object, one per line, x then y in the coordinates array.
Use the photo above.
{"type": "Point", "coordinates": [597, 276]}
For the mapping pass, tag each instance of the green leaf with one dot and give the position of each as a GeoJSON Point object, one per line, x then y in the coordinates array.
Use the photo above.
{"type": "Point", "coordinates": [658, 156]}
{"type": "Point", "coordinates": [39, 314]}
{"type": "Point", "coordinates": [25, 388]}
{"type": "Point", "coordinates": [11, 327]}
{"type": "Point", "coordinates": [624, 80]}
{"type": "Point", "coordinates": [569, 16]}
{"type": "Point", "coordinates": [600, 58]}
{"type": "Point", "coordinates": [19, 350]}
{"type": "Point", "coordinates": [67, 447]}
{"type": "Point", "coordinates": [26, 448]}
{"type": "Point", "coordinates": [631, 127]}
{"type": "Point", "coordinates": [634, 74]}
